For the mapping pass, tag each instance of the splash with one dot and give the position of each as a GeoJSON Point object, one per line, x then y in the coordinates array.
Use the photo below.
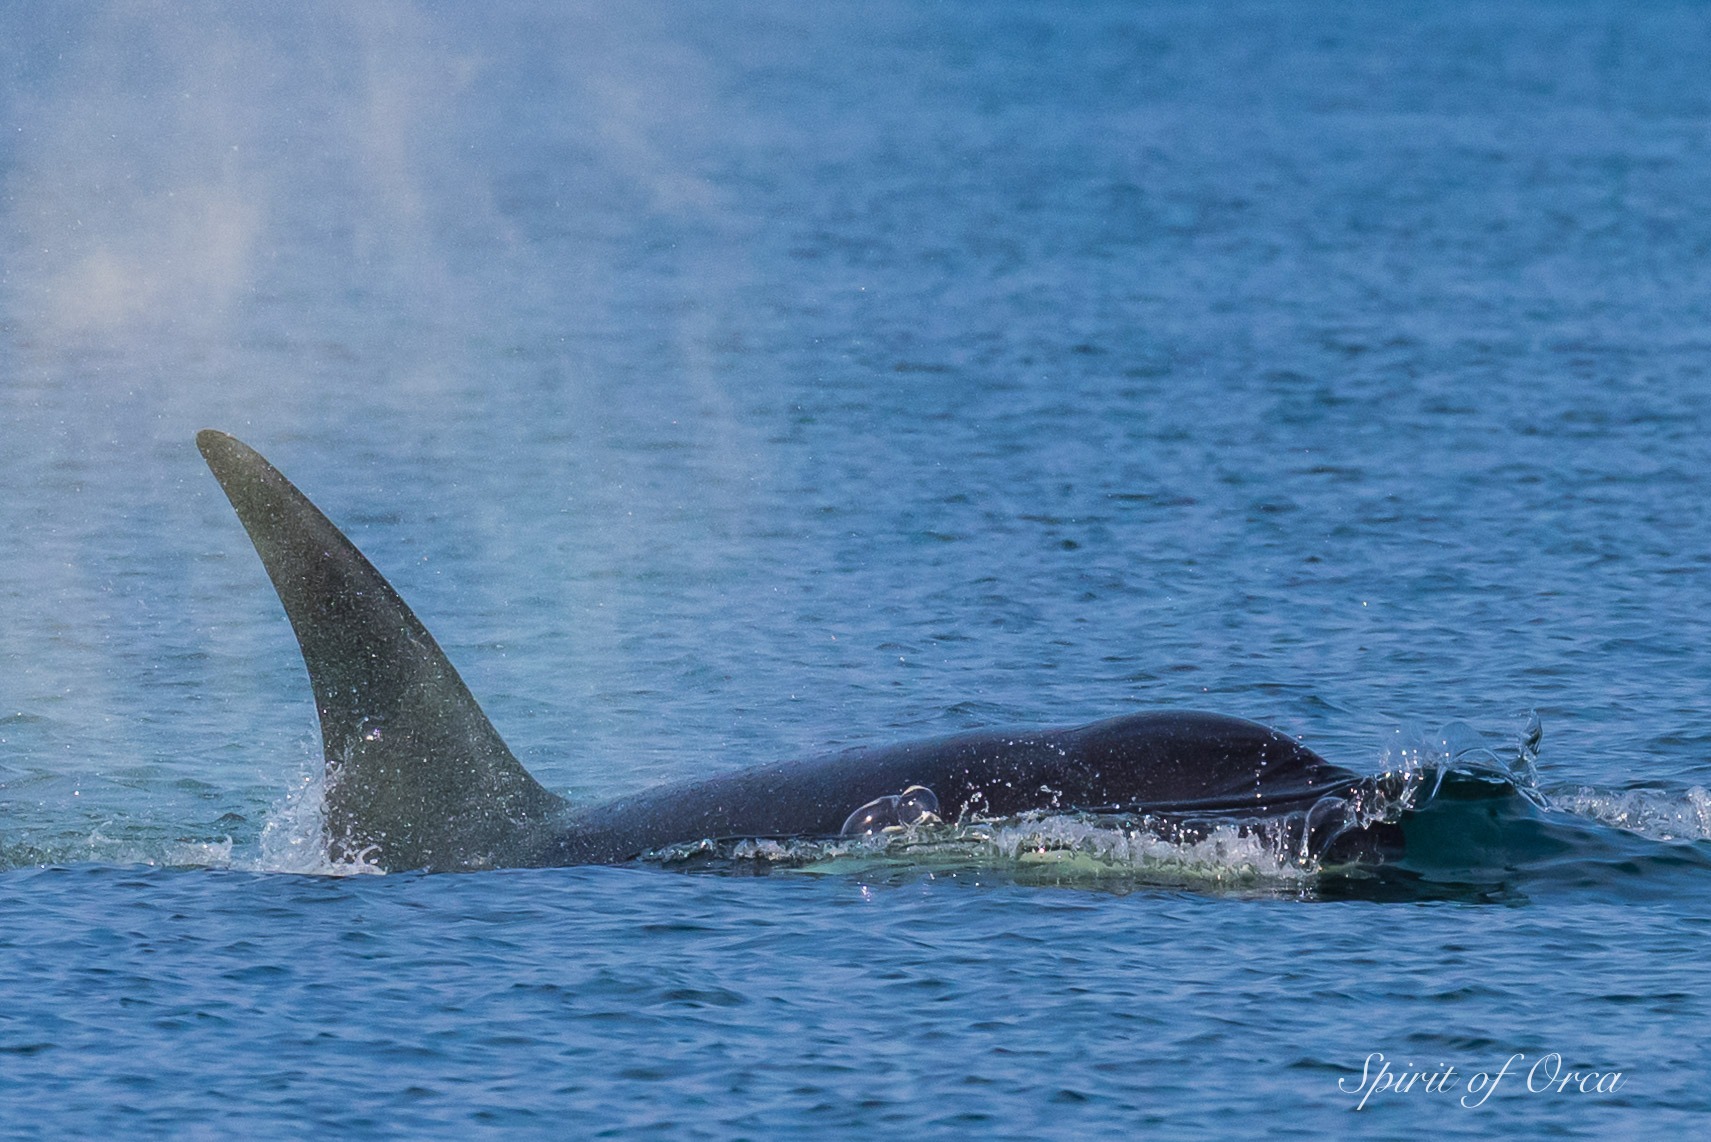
{"type": "Point", "coordinates": [294, 837]}
{"type": "Point", "coordinates": [1654, 813]}
{"type": "Point", "coordinates": [1464, 800]}
{"type": "Point", "coordinates": [1660, 815]}
{"type": "Point", "coordinates": [1221, 855]}
{"type": "Point", "coordinates": [1414, 765]}
{"type": "Point", "coordinates": [1042, 847]}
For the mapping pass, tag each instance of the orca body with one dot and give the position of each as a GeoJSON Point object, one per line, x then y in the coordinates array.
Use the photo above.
{"type": "Point", "coordinates": [417, 778]}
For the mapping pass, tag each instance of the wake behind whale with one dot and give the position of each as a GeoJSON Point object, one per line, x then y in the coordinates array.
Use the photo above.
{"type": "Point", "coordinates": [417, 777]}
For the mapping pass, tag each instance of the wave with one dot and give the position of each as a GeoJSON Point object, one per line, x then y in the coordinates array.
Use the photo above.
{"type": "Point", "coordinates": [1659, 814]}
{"type": "Point", "coordinates": [1449, 815]}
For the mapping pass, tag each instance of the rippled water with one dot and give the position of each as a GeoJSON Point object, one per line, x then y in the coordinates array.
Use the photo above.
{"type": "Point", "coordinates": [725, 384]}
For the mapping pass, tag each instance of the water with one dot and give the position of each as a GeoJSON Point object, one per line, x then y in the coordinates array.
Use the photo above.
{"type": "Point", "coordinates": [729, 384]}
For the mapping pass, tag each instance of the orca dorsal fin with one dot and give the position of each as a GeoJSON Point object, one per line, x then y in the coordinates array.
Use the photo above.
{"type": "Point", "coordinates": [417, 777]}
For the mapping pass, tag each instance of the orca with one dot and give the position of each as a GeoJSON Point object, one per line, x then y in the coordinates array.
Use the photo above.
{"type": "Point", "coordinates": [417, 778]}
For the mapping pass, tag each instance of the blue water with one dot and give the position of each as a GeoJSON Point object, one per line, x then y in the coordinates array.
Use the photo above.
{"type": "Point", "coordinates": [725, 383]}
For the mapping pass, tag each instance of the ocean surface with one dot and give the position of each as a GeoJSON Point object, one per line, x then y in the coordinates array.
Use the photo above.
{"type": "Point", "coordinates": [724, 383]}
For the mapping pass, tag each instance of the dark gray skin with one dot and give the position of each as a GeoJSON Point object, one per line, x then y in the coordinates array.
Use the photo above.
{"type": "Point", "coordinates": [417, 778]}
{"type": "Point", "coordinates": [1184, 765]}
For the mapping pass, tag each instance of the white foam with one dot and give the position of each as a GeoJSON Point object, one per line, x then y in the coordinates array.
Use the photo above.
{"type": "Point", "coordinates": [1061, 847]}
{"type": "Point", "coordinates": [294, 837]}
{"type": "Point", "coordinates": [1654, 813]}
{"type": "Point", "coordinates": [1225, 855]}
